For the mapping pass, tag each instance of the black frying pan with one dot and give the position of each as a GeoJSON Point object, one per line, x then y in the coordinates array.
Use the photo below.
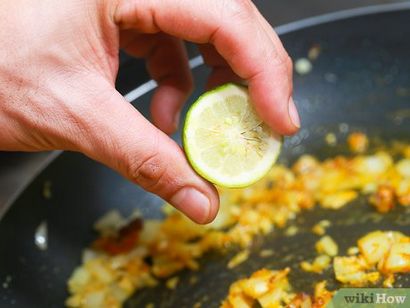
{"type": "Point", "coordinates": [362, 79]}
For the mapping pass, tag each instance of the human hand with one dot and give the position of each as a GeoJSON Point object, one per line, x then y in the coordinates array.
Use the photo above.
{"type": "Point", "coordinates": [59, 61]}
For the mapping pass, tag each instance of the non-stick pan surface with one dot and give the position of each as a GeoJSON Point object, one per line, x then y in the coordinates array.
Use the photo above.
{"type": "Point", "coordinates": [361, 80]}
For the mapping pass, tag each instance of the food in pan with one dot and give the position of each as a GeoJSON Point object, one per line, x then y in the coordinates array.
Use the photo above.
{"type": "Point", "coordinates": [272, 289]}
{"type": "Point", "coordinates": [225, 141]}
{"type": "Point", "coordinates": [380, 254]}
{"type": "Point", "coordinates": [326, 248]}
{"type": "Point", "coordinates": [115, 265]}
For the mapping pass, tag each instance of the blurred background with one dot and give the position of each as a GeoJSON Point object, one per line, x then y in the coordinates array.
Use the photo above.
{"type": "Point", "coordinates": [17, 169]}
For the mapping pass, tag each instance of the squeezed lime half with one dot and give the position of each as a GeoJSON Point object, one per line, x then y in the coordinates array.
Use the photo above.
{"type": "Point", "coordinates": [225, 141]}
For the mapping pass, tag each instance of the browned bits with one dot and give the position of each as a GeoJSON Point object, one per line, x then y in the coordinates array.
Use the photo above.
{"type": "Point", "coordinates": [358, 142]}
{"type": "Point", "coordinates": [124, 241]}
{"type": "Point", "coordinates": [383, 199]}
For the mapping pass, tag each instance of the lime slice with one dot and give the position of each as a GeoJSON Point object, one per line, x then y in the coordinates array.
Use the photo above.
{"type": "Point", "coordinates": [225, 141]}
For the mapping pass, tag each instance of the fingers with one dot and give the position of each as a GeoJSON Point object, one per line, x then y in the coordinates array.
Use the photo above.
{"type": "Point", "coordinates": [167, 63]}
{"type": "Point", "coordinates": [120, 137]}
{"type": "Point", "coordinates": [221, 72]}
{"type": "Point", "coordinates": [239, 34]}
{"type": "Point", "coordinates": [96, 120]}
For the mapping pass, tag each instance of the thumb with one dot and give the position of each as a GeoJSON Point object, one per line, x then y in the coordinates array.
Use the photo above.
{"type": "Point", "coordinates": [121, 138]}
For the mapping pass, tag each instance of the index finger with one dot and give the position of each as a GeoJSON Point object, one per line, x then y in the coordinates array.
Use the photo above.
{"type": "Point", "coordinates": [240, 35]}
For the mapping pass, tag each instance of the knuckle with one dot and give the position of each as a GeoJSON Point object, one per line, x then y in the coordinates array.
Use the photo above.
{"type": "Point", "coordinates": [283, 62]}
{"type": "Point", "coordinates": [148, 172]}
{"type": "Point", "coordinates": [237, 9]}
{"type": "Point", "coordinates": [287, 63]}
{"type": "Point", "coordinates": [151, 172]}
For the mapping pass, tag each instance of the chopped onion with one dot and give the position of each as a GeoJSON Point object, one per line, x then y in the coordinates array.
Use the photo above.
{"type": "Point", "coordinates": [403, 167]}
{"type": "Point", "coordinates": [303, 66]}
{"type": "Point", "coordinates": [327, 246]}
{"type": "Point", "coordinates": [172, 283]}
{"type": "Point", "coordinates": [374, 246]}
{"type": "Point", "coordinates": [398, 259]}
{"type": "Point", "coordinates": [110, 222]}
{"type": "Point", "coordinates": [238, 259]}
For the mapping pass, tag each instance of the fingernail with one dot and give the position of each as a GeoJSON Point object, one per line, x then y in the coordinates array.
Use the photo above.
{"type": "Point", "coordinates": [293, 113]}
{"type": "Point", "coordinates": [193, 203]}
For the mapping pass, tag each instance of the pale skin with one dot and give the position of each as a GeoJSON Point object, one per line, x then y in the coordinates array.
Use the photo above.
{"type": "Point", "coordinates": [59, 61]}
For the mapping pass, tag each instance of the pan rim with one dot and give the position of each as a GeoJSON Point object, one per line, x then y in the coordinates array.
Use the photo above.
{"type": "Point", "coordinates": [198, 61]}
